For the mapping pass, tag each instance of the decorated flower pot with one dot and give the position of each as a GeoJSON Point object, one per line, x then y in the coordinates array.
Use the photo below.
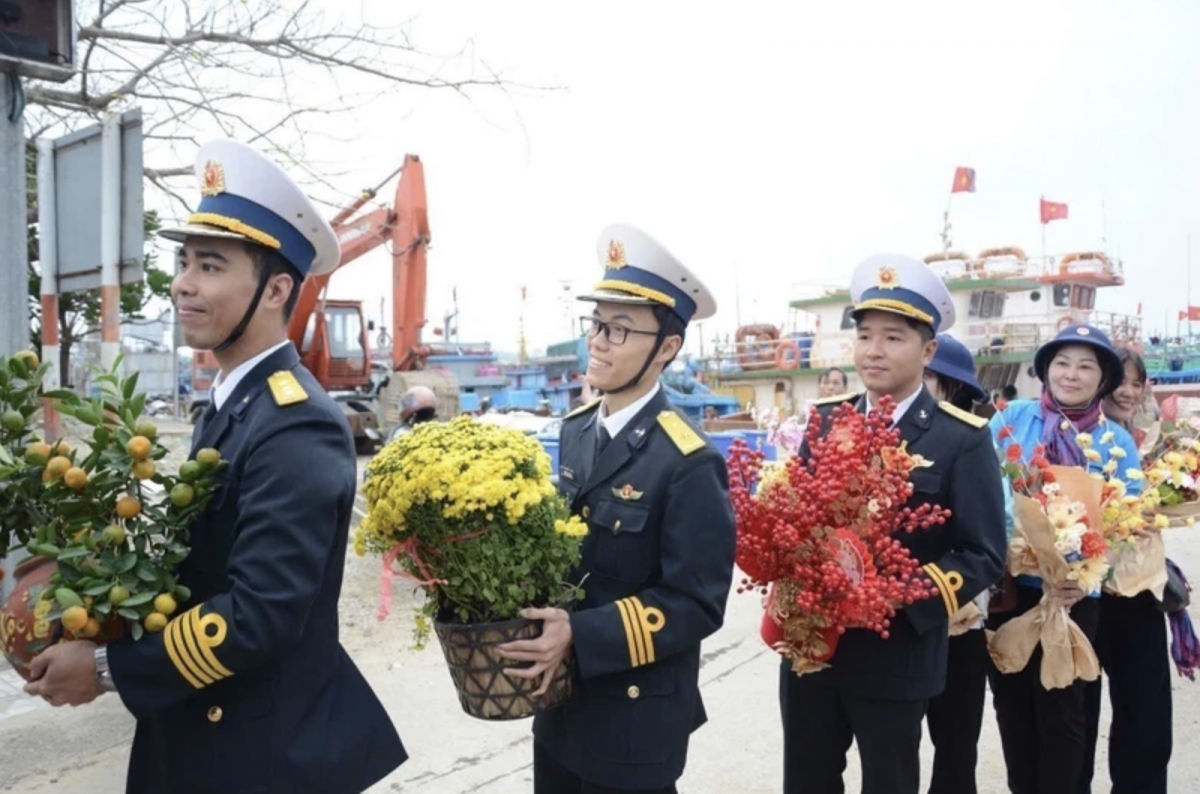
{"type": "Point", "coordinates": [25, 627]}
{"type": "Point", "coordinates": [24, 630]}
{"type": "Point", "coordinates": [484, 690]}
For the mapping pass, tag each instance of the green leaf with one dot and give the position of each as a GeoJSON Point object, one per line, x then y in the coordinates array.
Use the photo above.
{"type": "Point", "coordinates": [183, 593]}
{"type": "Point", "coordinates": [47, 550]}
{"type": "Point", "coordinates": [136, 630]}
{"type": "Point", "coordinates": [130, 386]}
{"type": "Point", "coordinates": [98, 589]}
{"type": "Point", "coordinates": [67, 597]}
{"type": "Point", "coordinates": [127, 562]}
{"type": "Point", "coordinates": [61, 394]}
{"type": "Point", "coordinates": [74, 553]}
{"type": "Point", "coordinates": [104, 609]}
{"type": "Point", "coordinates": [145, 571]}
{"type": "Point", "coordinates": [139, 599]}
{"type": "Point", "coordinates": [128, 614]}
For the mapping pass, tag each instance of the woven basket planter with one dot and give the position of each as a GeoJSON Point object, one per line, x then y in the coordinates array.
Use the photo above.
{"type": "Point", "coordinates": [477, 670]}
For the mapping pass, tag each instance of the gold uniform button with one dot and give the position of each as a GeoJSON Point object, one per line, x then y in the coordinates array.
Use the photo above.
{"type": "Point", "coordinates": [633, 692]}
{"type": "Point", "coordinates": [586, 511]}
{"type": "Point", "coordinates": [215, 714]}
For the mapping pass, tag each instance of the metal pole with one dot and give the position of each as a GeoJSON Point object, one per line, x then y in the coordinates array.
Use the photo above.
{"type": "Point", "coordinates": [14, 278]}
{"type": "Point", "coordinates": [110, 240]}
{"type": "Point", "coordinates": [1189, 286]}
{"type": "Point", "coordinates": [48, 261]}
{"type": "Point", "coordinates": [176, 396]}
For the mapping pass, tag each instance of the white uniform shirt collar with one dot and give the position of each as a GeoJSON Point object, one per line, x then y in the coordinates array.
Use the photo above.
{"type": "Point", "coordinates": [901, 407]}
{"type": "Point", "coordinates": [615, 423]}
{"type": "Point", "coordinates": [224, 385]}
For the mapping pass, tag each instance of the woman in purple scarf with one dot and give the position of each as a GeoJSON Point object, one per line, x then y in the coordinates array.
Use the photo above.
{"type": "Point", "coordinates": [1044, 731]}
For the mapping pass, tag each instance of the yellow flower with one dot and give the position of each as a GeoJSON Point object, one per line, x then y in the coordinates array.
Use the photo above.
{"type": "Point", "coordinates": [572, 527]}
{"type": "Point", "coordinates": [1116, 452]}
{"type": "Point", "coordinates": [1190, 521]}
{"type": "Point", "coordinates": [1084, 440]}
{"type": "Point", "coordinates": [1110, 467]}
{"type": "Point", "coordinates": [1092, 454]}
{"type": "Point", "coordinates": [1107, 438]}
{"type": "Point", "coordinates": [1134, 474]}
{"type": "Point", "coordinates": [1161, 521]}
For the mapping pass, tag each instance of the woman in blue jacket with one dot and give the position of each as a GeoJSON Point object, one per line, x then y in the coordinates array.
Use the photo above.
{"type": "Point", "coordinates": [956, 716]}
{"type": "Point", "coordinates": [1133, 648]}
{"type": "Point", "coordinates": [1044, 731]}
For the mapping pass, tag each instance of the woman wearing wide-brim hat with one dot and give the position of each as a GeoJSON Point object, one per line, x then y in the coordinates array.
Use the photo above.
{"type": "Point", "coordinates": [1044, 731]}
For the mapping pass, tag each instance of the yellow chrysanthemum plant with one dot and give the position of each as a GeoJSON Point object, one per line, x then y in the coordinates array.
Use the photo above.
{"type": "Point", "coordinates": [468, 511]}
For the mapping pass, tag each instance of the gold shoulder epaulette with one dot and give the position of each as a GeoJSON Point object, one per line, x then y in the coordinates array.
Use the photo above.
{"type": "Point", "coordinates": [837, 398]}
{"type": "Point", "coordinates": [963, 416]}
{"type": "Point", "coordinates": [286, 389]}
{"type": "Point", "coordinates": [680, 432]}
{"type": "Point", "coordinates": [584, 408]}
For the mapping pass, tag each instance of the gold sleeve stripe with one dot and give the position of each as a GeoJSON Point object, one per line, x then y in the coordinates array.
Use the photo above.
{"type": "Point", "coordinates": [191, 646]}
{"type": "Point", "coordinates": [639, 638]}
{"type": "Point", "coordinates": [650, 620]}
{"type": "Point", "coordinates": [635, 659]}
{"type": "Point", "coordinates": [948, 584]}
{"type": "Point", "coordinates": [170, 640]}
{"type": "Point", "coordinates": [941, 586]}
{"type": "Point", "coordinates": [640, 623]}
{"type": "Point", "coordinates": [208, 641]}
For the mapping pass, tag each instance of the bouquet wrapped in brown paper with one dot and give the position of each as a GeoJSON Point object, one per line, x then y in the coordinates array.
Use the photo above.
{"type": "Point", "coordinates": [1055, 512]}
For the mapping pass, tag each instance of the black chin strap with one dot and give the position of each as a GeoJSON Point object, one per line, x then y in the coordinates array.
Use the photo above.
{"type": "Point", "coordinates": [658, 343]}
{"type": "Point", "coordinates": [237, 332]}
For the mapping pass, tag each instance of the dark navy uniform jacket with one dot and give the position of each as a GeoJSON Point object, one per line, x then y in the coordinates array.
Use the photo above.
{"type": "Point", "coordinates": [659, 563]}
{"type": "Point", "coordinates": [248, 689]}
{"type": "Point", "coordinates": [963, 557]}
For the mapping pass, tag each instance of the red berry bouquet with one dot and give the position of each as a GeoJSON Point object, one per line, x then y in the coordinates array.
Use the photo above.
{"type": "Point", "coordinates": [818, 535]}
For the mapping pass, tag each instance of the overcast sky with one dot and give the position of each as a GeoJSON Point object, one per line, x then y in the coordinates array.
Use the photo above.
{"type": "Point", "coordinates": [770, 143]}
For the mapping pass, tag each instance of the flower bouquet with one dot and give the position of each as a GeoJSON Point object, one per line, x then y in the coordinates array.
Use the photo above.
{"type": "Point", "coordinates": [106, 527]}
{"type": "Point", "coordinates": [1173, 469]}
{"type": "Point", "coordinates": [467, 511]}
{"type": "Point", "coordinates": [817, 538]}
{"type": "Point", "coordinates": [1058, 515]}
{"type": "Point", "coordinates": [1137, 555]}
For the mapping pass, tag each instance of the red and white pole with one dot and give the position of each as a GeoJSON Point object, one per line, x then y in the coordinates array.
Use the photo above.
{"type": "Point", "coordinates": [110, 240]}
{"type": "Point", "coordinates": [48, 260]}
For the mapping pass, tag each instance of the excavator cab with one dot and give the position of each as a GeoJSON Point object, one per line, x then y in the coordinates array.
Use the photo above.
{"type": "Point", "coordinates": [347, 359]}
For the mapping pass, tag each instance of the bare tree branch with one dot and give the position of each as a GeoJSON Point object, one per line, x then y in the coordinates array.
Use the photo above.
{"type": "Point", "coordinates": [270, 72]}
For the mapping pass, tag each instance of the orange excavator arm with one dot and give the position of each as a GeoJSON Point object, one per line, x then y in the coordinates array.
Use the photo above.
{"type": "Point", "coordinates": [406, 227]}
{"type": "Point", "coordinates": [410, 240]}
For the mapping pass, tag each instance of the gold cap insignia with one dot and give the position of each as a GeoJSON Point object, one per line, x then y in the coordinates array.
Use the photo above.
{"type": "Point", "coordinates": [887, 278]}
{"type": "Point", "coordinates": [616, 255]}
{"type": "Point", "coordinates": [213, 180]}
{"type": "Point", "coordinates": [627, 492]}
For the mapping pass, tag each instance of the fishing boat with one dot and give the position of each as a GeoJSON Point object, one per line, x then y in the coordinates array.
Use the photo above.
{"type": "Point", "coordinates": [1008, 304]}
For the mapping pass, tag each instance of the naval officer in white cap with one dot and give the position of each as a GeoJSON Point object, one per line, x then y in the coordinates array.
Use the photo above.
{"type": "Point", "coordinates": [658, 558]}
{"type": "Point", "coordinates": [247, 688]}
{"type": "Point", "coordinates": [876, 690]}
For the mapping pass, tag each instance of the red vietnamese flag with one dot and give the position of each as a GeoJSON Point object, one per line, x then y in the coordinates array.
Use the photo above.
{"type": "Point", "coordinates": [1053, 211]}
{"type": "Point", "coordinates": [964, 180]}
{"type": "Point", "coordinates": [1192, 314]}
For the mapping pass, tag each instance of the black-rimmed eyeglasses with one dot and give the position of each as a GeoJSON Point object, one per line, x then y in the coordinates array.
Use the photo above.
{"type": "Point", "coordinates": [613, 334]}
